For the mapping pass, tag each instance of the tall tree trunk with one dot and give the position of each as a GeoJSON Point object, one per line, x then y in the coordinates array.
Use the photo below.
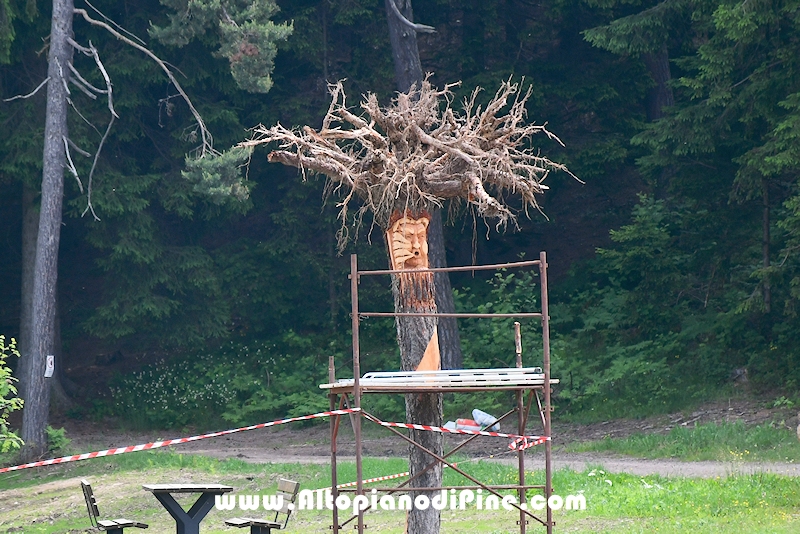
{"type": "Point", "coordinates": [766, 288]}
{"type": "Point", "coordinates": [419, 350]}
{"type": "Point", "coordinates": [659, 96]}
{"type": "Point", "coordinates": [30, 228]}
{"type": "Point", "coordinates": [408, 72]}
{"type": "Point", "coordinates": [60, 400]}
{"type": "Point", "coordinates": [37, 403]}
{"type": "Point", "coordinates": [415, 334]}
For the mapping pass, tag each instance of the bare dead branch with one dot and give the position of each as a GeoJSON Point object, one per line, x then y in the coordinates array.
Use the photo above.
{"type": "Point", "coordinates": [44, 82]}
{"type": "Point", "coordinates": [102, 69]}
{"type": "Point", "coordinates": [62, 77]}
{"type": "Point", "coordinates": [83, 80]}
{"type": "Point", "coordinates": [206, 146]}
{"type": "Point", "coordinates": [83, 118]}
{"type": "Point", "coordinates": [111, 21]}
{"type": "Point", "coordinates": [77, 149]}
{"type": "Point", "coordinates": [89, 205]}
{"type": "Point", "coordinates": [71, 165]}
{"type": "Point", "coordinates": [74, 81]}
{"type": "Point", "coordinates": [418, 152]}
{"type": "Point", "coordinates": [419, 28]}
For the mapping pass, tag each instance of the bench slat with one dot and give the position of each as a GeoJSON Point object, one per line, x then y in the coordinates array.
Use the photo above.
{"type": "Point", "coordinates": [248, 522]}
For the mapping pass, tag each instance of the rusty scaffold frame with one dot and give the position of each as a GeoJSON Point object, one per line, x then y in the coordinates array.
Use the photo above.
{"type": "Point", "coordinates": [347, 394]}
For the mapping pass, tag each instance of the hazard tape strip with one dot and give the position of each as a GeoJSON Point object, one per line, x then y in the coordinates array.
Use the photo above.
{"type": "Point", "coordinates": [519, 443]}
{"type": "Point", "coordinates": [165, 443]}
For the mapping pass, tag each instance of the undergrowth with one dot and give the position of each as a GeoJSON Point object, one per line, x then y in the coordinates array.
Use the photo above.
{"type": "Point", "coordinates": [733, 442]}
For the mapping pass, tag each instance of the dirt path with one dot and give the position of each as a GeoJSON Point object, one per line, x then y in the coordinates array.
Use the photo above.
{"type": "Point", "coordinates": [311, 444]}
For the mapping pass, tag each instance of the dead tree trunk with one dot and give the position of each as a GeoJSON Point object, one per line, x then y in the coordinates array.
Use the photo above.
{"type": "Point", "coordinates": [30, 228]}
{"type": "Point", "coordinates": [408, 72]}
{"type": "Point", "coordinates": [37, 403]}
{"type": "Point", "coordinates": [765, 241]}
{"type": "Point", "coordinates": [659, 96]}
{"type": "Point", "coordinates": [419, 351]}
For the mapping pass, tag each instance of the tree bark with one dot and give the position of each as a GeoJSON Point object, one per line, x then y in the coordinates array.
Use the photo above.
{"type": "Point", "coordinates": [415, 293]}
{"type": "Point", "coordinates": [408, 72]}
{"type": "Point", "coordinates": [407, 65]}
{"type": "Point", "coordinates": [659, 96]}
{"type": "Point", "coordinates": [765, 239]}
{"type": "Point", "coordinates": [37, 403]}
{"type": "Point", "coordinates": [449, 341]}
{"type": "Point", "coordinates": [60, 400]}
{"type": "Point", "coordinates": [30, 228]}
{"type": "Point", "coordinates": [423, 409]}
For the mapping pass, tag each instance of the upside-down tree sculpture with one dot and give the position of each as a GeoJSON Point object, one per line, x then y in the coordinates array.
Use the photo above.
{"type": "Point", "coordinates": [400, 162]}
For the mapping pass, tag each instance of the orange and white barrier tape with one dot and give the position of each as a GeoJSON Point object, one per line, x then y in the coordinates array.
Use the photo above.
{"type": "Point", "coordinates": [157, 444]}
{"type": "Point", "coordinates": [519, 443]}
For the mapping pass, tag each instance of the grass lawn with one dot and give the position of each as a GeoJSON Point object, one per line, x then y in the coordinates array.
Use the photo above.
{"type": "Point", "coordinates": [48, 500]}
{"type": "Point", "coordinates": [722, 442]}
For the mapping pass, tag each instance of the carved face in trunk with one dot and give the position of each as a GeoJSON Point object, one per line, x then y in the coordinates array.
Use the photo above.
{"type": "Point", "coordinates": [408, 243]}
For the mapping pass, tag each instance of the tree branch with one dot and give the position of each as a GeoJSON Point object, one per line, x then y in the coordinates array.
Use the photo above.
{"type": "Point", "coordinates": [78, 149]}
{"type": "Point", "coordinates": [44, 82]}
{"type": "Point", "coordinates": [419, 28]}
{"type": "Point", "coordinates": [417, 153]}
{"type": "Point", "coordinates": [207, 146]}
{"type": "Point", "coordinates": [71, 165]}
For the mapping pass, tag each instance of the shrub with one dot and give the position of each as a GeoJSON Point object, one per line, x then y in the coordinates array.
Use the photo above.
{"type": "Point", "coordinates": [9, 401]}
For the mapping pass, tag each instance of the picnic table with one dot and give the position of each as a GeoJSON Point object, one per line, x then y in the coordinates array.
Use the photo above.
{"type": "Point", "coordinates": [187, 522]}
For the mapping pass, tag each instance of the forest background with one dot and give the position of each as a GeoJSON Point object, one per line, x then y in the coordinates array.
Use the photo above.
{"type": "Point", "coordinates": [675, 267]}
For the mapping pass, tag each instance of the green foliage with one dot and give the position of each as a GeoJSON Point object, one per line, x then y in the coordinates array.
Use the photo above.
{"type": "Point", "coordinates": [57, 440]}
{"type": "Point", "coordinates": [9, 402]}
{"type": "Point", "coordinates": [725, 442]}
{"type": "Point", "coordinates": [234, 384]}
{"type": "Point", "coordinates": [247, 36]}
{"type": "Point", "coordinates": [642, 32]}
{"type": "Point", "coordinates": [219, 177]}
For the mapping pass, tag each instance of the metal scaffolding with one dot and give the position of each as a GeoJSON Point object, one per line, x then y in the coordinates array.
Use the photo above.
{"type": "Point", "coordinates": [348, 393]}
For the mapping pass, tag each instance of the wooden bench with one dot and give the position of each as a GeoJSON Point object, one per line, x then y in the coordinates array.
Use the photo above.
{"type": "Point", "coordinates": [111, 526]}
{"type": "Point", "coordinates": [287, 491]}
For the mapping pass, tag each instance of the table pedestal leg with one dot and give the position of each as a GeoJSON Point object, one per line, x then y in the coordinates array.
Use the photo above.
{"type": "Point", "coordinates": [187, 522]}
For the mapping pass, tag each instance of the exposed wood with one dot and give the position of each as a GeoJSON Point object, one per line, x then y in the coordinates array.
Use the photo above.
{"type": "Point", "coordinates": [407, 242]}
{"type": "Point", "coordinates": [447, 327]}
{"type": "Point", "coordinates": [417, 153]}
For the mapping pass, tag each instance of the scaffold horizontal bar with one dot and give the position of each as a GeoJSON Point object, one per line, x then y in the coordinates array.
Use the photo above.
{"type": "Point", "coordinates": [456, 315]}
{"type": "Point", "coordinates": [463, 268]}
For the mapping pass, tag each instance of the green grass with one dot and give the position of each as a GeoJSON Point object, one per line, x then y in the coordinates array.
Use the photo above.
{"type": "Point", "coordinates": [721, 442]}
{"type": "Point", "coordinates": [48, 500]}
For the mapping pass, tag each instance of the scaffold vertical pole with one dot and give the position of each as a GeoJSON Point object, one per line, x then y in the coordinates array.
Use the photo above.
{"type": "Point", "coordinates": [521, 426]}
{"type": "Point", "coordinates": [356, 387]}
{"type": "Point", "coordinates": [548, 449]}
{"type": "Point", "coordinates": [333, 422]}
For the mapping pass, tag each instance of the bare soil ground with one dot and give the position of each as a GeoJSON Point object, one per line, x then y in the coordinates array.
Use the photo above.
{"type": "Point", "coordinates": [311, 444]}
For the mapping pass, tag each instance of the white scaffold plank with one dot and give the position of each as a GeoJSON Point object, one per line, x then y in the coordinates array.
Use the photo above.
{"type": "Point", "coordinates": [453, 378]}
